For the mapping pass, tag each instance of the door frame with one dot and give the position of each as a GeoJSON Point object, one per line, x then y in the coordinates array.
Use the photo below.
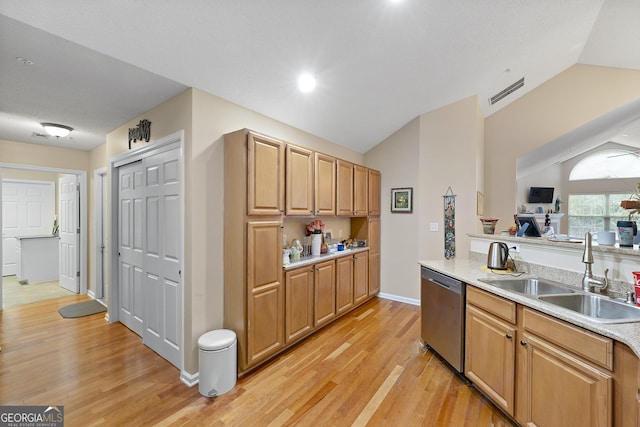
{"type": "Point", "coordinates": [100, 231]}
{"type": "Point", "coordinates": [82, 179]}
{"type": "Point", "coordinates": [167, 143]}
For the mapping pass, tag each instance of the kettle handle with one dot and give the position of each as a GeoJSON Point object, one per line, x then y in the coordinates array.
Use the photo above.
{"type": "Point", "coordinates": [505, 248]}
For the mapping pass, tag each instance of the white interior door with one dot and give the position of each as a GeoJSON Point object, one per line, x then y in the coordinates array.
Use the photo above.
{"type": "Point", "coordinates": [162, 264]}
{"type": "Point", "coordinates": [69, 232]}
{"type": "Point", "coordinates": [27, 210]}
{"type": "Point", "coordinates": [130, 249]}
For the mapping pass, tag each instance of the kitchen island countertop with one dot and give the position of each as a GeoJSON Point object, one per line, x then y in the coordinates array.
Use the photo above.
{"type": "Point", "coordinates": [470, 272]}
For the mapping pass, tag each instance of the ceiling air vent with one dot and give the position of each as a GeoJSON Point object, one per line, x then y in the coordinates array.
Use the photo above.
{"type": "Point", "coordinates": [506, 91]}
{"type": "Point", "coordinates": [40, 135]}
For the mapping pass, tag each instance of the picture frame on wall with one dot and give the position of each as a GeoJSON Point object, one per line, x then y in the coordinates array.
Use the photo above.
{"type": "Point", "coordinates": [402, 200]}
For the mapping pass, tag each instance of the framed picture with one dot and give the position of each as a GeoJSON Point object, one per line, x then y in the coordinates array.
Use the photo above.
{"type": "Point", "coordinates": [402, 200]}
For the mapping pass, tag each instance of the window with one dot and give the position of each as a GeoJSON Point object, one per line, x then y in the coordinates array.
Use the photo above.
{"type": "Point", "coordinates": [595, 212]}
{"type": "Point", "coordinates": [607, 164]}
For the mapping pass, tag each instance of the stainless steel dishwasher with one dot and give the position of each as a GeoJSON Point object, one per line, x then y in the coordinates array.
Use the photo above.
{"type": "Point", "coordinates": [442, 302]}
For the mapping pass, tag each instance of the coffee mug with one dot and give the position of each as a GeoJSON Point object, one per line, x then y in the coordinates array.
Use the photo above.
{"type": "Point", "coordinates": [627, 230]}
{"type": "Point", "coordinates": [606, 238]}
{"type": "Point", "coordinates": [636, 285]}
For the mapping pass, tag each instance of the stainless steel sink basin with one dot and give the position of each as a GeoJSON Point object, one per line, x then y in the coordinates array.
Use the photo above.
{"type": "Point", "coordinates": [599, 308]}
{"type": "Point", "coordinates": [530, 286]}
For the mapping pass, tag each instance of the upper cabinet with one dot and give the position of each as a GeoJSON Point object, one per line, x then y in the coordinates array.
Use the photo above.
{"type": "Point", "coordinates": [265, 164]}
{"type": "Point", "coordinates": [374, 192]}
{"type": "Point", "coordinates": [352, 189]}
{"type": "Point", "coordinates": [300, 181]}
{"type": "Point", "coordinates": [325, 184]}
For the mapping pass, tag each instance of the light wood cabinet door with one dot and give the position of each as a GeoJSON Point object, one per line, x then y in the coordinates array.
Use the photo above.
{"type": "Point", "coordinates": [299, 181]}
{"type": "Point", "coordinates": [344, 188]}
{"type": "Point", "coordinates": [325, 292]}
{"type": "Point", "coordinates": [559, 389]}
{"type": "Point", "coordinates": [490, 356]}
{"type": "Point", "coordinates": [360, 277]}
{"type": "Point", "coordinates": [299, 297]}
{"type": "Point", "coordinates": [373, 241]}
{"type": "Point", "coordinates": [325, 184]}
{"type": "Point", "coordinates": [265, 174]}
{"type": "Point", "coordinates": [374, 192]}
{"type": "Point", "coordinates": [344, 284]}
{"type": "Point", "coordinates": [265, 299]}
{"type": "Point", "coordinates": [360, 190]}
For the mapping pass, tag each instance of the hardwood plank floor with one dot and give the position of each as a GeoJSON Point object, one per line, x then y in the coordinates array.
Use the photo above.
{"type": "Point", "coordinates": [367, 368]}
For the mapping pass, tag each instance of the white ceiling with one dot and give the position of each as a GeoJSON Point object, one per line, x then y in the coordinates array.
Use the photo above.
{"type": "Point", "coordinates": [378, 64]}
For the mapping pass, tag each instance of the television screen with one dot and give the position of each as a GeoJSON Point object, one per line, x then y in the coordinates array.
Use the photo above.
{"type": "Point", "coordinates": [541, 195]}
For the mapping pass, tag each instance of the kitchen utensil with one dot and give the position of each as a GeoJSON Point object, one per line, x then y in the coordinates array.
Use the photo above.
{"type": "Point", "coordinates": [497, 256]}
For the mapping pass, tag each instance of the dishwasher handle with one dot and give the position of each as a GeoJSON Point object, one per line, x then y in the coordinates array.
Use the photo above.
{"type": "Point", "coordinates": [442, 280]}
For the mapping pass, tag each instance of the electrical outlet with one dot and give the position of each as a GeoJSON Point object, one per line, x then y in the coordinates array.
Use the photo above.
{"type": "Point", "coordinates": [515, 248]}
{"type": "Point", "coordinates": [433, 226]}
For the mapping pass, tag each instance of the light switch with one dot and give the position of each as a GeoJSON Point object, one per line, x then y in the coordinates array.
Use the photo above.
{"type": "Point", "coordinates": [433, 226]}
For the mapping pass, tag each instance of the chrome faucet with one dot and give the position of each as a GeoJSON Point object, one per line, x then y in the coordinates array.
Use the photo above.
{"type": "Point", "coordinates": [588, 282]}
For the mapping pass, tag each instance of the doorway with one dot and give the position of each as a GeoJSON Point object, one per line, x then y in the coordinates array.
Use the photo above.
{"type": "Point", "coordinates": [81, 177]}
{"type": "Point", "coordinates": [100, 232]}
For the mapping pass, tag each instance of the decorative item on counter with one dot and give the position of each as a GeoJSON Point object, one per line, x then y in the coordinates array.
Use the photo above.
{"type": "Point", "coordinates": [314, 229]}
{"type": "Point", "coordinates": [296, 249]}
{"type": "Point", "coordinates": [489, 225]}
{"type": "Point", "coordinates": [636, 286]}
{"type": "Point", "coordinates": [295, 253]}
{"type": "Point", "coordinates": [449, 224]}
{"type": "Point", "coordinates": [558, 203]}
{"type": "Point", "coordinates": [548, 229]}
{"type": "Point", "coordinates": [627, 231]}
{"type": "Point", "coordinates": [285, 257]}
{"type": "Point", "coordinates": [633, 202]}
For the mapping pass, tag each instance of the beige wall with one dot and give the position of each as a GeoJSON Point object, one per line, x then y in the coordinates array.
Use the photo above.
{"type": "Point", "coordinates": [437, 150]}
{"type": "Point", "coordinates": [571, 99]}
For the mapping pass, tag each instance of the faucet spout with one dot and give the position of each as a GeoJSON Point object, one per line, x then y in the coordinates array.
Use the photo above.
{"type": "Point", "coordinates": [588, 282]}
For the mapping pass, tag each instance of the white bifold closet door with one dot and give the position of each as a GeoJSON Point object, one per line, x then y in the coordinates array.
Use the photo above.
{"type": "Point", "coordinates": [149, 252]}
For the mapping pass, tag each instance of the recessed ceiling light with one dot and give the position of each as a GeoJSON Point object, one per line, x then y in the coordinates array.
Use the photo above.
{"type": "Point", "coordinates": [306, 82]}
{"type": "Point", "coordinates": [56, 130]}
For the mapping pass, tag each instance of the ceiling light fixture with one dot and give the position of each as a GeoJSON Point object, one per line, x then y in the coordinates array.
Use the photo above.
{"type": "Point", "coordinates": [306, 82]}
{"type": "Point", "coordinates": [56, 130]}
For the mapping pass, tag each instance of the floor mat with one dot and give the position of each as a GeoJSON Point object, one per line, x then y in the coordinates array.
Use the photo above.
{"type": "Point", "coordinates": [81, 309]}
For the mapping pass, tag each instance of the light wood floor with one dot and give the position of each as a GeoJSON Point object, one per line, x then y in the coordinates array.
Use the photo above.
{"type": "Point", "coordinates": [365, 369]}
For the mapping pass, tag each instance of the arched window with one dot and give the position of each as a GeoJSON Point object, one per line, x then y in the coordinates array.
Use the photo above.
{"type": "Point", "coordinates": [607, 164]}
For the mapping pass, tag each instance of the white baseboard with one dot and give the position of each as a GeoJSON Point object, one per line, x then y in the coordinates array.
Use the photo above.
{"type": "Point", "coordinates": [399, 298]}
{"type": "Point", "coordinates": [189, 379]}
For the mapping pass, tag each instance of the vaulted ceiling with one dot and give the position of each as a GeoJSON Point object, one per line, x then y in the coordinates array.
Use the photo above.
{"type": "Point", "coordinates": [378, 63]}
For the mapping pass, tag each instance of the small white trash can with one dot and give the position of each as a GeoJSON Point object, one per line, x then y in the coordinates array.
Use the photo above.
{"type": "Point", "coordinates": [218, 362]}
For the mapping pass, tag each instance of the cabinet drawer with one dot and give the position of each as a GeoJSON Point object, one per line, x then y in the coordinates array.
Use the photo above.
{"type": "Point", "coordinates": [591, 346]}
{"type": "Point", "coordinates": [493, 304]}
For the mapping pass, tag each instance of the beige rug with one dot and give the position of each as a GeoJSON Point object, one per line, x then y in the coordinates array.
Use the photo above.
{"type": "Point", "coordinates": [81, 309]}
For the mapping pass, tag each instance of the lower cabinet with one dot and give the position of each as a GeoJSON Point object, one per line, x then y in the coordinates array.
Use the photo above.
{"type": "Point", "coordinates": [352, 281]}
{"type": "Point", "coordinates": [538, 369]}
{"type": "Point", "coordinates": [299, 298]}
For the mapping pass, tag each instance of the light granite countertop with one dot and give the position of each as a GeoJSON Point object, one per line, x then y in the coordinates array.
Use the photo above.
{"type": "Point", "coordinates": [301, 262]}
{"type": "Point", "coordinates": [471, 271]}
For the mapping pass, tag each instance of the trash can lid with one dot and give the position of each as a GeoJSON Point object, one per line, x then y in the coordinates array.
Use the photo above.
{"type": "Point", "coordinates": [217, 340]}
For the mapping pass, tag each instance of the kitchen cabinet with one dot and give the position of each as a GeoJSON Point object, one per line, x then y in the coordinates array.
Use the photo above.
{"type": "Point", "coordinates": [360, 277]}
{"type": "Point", "coordinates": [373, 240]}
{"type": "Point", "coordinates": [540, 370]}
{"type": "Point", "coordinates": [300, 181]}
{"type": "Point", "coordinates": [265, 168]}
{"type": "Point", "coordinates": [352, 278]}
{"type": "Point", "coordinates": [374, 178]}
{"type": "Point", "coordinates": [265, 303]}
{"type": "Point", "coordinates": [325, 292]}
{"type": "Point", "coordinates": [490, 347]}
{"type": "Point", "coordinates": [344, 284]}
{"type": "Point", "coordinates": [325, 185]}
{"type": "Point", "coordinates": [352, 197]}
{"type": "Point", "coordinates": [299, 300]}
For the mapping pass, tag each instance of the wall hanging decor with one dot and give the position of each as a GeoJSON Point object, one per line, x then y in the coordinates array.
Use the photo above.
{"type": "Point", "coordinates": [402, 200]}
{"type": "Point", "coordinates": [449, 224]}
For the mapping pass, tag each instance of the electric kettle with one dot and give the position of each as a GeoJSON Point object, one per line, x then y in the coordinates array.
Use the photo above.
{"type": "Point", "coordinates": [497, 256]}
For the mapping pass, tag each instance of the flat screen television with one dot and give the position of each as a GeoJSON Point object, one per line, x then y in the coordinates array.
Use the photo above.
{"type": "Point", "coordinates": [541, 195]}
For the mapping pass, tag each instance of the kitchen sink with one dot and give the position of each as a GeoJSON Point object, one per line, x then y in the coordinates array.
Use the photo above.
{"type": "Point", "coordinates": [530, 286]}
{"type": "Point", "coordinates": [599, 308]}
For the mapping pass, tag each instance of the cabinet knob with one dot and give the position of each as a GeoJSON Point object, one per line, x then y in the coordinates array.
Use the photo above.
{"type": "Point", "coordinates": [509, 336]}
{"type": "Point", "coordinates": [523, 343]}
